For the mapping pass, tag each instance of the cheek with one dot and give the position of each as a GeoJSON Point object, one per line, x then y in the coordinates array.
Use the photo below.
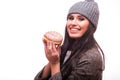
{"type": "Point", "coordinates": [84, 26]}
{"type": "Point", "coordinates": [67, 29]}
{"type": "Point", "coordinates": [67, 26]}
{"type": "Point", "coordinates": [67, 23]}
{"type": "Point", "coordinates": [85, 29]}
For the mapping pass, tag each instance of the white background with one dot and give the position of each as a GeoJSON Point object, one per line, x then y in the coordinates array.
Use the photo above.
{"type": "Point", "coordinates": [23, 23]}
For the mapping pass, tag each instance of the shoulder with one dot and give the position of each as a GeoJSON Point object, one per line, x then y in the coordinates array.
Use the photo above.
{"type": "Point", "coordinates": [92, 54]}
{"type": "Point", "coordinates": [91, 59]}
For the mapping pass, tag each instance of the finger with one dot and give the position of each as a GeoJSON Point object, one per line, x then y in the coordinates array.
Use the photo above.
{"type": "Point", "coordinates": [49, 45]}
{"type": "Point", "coordinates": [54, 47]}
{"type": "Point", "coordinates": [56, 50]}
{"type": "Point", "coordinates": [49, 48]}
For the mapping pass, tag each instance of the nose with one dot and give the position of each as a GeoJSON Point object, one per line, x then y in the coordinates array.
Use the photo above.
{"type": "Point", "coordinates": [74, 22]}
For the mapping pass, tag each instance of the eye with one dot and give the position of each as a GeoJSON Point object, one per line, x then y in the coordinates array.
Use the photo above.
{"type": "Point", "coordinates": [70, 18]}
{"type": "Point", "coordinates": [81, 18]}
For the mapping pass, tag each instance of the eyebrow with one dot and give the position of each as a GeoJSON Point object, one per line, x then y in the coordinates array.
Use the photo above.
{"type": "Point", "coordinates": [78, 14]}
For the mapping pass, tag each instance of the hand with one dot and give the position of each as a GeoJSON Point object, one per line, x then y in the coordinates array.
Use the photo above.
{"type": "Point", "coordinates": [52, 52]}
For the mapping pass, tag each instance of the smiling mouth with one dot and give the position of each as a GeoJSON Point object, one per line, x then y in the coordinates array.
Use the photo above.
{"type": "Point", "coordinates": [74, 29]}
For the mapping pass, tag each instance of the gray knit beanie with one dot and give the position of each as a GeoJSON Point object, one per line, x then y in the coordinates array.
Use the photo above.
{"type": "Point", "coordinates": [87, 8]}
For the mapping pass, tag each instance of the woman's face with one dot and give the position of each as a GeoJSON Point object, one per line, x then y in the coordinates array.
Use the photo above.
{"type": "Point", "coordinates": [77, 25]}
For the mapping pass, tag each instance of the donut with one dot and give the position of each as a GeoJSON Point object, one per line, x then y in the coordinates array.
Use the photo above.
{"type": "Point", "coordinates": [53, 36]}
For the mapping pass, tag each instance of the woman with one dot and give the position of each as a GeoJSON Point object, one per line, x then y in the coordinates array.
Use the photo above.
{"type": "Point", "coordinates": [80, 57]}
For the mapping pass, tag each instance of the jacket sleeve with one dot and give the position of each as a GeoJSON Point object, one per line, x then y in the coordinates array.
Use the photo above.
{"type": "Point", "coordinates": [57, 76]}
{"type": "Point", "coordinates": [38, 76]}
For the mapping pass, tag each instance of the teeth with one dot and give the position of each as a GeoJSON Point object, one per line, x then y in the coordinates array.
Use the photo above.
{"type": "Point", "coordinates": [74, 29]}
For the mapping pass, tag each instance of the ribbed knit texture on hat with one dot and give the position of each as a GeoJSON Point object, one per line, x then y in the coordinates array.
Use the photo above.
{"type": "Point", "coordinates": [87, 8]}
